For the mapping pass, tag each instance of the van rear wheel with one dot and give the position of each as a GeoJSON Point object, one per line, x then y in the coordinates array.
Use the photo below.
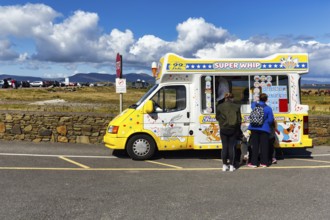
{"type": "Point", "coordinates": [141, 147]}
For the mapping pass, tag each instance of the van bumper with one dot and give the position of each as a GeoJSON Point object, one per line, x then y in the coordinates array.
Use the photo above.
{"type": "Point", "coordinates": [304, 143]}
{"type": "Point", "coordinates": [113, 142]}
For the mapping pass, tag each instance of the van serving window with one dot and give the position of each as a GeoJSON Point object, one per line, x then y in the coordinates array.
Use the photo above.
{"type": "Point", "coordinates": [213, 89]}
{"type": "Point", "coordinates": [275, 86]}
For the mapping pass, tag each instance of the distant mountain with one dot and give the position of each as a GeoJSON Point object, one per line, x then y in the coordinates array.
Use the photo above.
{"type": "Point", "coordinates": [87, 77]}
{"type": "Point", "coordinates": [98, 77]}
{"type": "Point", "coordinates": [133, 77]}
{"type": "Point", "coordinates": [92, 77]}
{"type": "Point", "coordinates": [309, 82]}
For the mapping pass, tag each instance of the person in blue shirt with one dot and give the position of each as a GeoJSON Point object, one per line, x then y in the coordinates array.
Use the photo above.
{"type": "Point", "coordinates": [260, 135]}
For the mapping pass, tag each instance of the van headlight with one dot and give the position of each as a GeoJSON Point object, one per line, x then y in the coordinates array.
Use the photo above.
{"type": "Point", "coordinates": [113, 129]}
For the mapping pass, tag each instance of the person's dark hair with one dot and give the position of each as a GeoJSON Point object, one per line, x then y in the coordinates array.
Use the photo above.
{"type": "Point", "coordinates": [263, 97]}
{"type": "Point", "coordinates": [229, 97]}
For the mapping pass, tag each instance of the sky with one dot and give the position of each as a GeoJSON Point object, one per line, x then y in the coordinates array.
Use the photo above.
{"type": "Point", "coordinates": [52, 39]}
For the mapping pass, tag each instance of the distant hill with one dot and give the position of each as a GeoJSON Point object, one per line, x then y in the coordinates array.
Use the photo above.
{"type": "Point", "coordinates": [303, 81]}
{"type": "Point", "coordinates": [133, 77]}
{"type": "Point", "coordinates": [315, 86]}
{"type": "Point", "coordinates": [87, 77]}
{"type": "Point", "coordinates": [98, 77]}
{"type": "Point", "coordinates": [92, 77]}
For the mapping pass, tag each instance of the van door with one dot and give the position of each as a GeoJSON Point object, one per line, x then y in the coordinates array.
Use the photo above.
{"type": "Point", "coordinates": [170, 120]}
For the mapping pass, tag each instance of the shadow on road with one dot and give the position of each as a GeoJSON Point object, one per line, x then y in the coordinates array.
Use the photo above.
{"type": "Point", "coordinates": [297, 153]}
{"type": "Point", "coordinates": [215, 154]}
{"type": "Point", "coordinates": [183, 154]}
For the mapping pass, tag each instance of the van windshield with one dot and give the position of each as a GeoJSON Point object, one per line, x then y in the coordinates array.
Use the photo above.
{"type": "Point", "coordinates": [144, 97]}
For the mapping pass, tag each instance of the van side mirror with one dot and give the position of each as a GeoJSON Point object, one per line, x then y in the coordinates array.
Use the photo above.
{"type": "Point", "coordinates": [148, 107]}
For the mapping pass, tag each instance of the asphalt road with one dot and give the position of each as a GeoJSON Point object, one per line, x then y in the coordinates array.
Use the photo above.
{"type": "Point", "coordinates": [72, 181]}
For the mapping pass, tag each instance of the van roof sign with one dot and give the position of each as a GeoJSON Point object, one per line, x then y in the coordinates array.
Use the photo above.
{"type": "Point", "coordinates": [295, 62]}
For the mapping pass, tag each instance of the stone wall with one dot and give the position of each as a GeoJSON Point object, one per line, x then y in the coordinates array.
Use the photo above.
{"type": "Point", "coordinates": [90, 128]}
{"type": "Point", "coordinates": [53, 127]}
{"type": "Point", "coordinates": [319, 129]}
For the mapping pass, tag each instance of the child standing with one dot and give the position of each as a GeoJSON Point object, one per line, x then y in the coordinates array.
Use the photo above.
{"type": "Point", "coordinates": [273, 141]}
{"type": "Point", "coordinates": [245, 145]}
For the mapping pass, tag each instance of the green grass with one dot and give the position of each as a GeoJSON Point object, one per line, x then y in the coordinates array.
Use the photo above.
{"type": "Point", "coordinates": [84, 99]}
{"type": "Point", "coordinates": [103, 100]}
{"type": "Point", "coordinates": [318, 105]}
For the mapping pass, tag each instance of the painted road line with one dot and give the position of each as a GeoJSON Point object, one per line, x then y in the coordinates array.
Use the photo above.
{"type": "Point", "coordinates": [304, 155]}
{"type": "Point", "coordinates": [320, 155]}
{"type": "Point", "coordinates": [114, 157]}
{"type": "Point", "coordinates": [94, 169]}
{"type": "Point", "coordinates": [293, 167]}
{"type": "Point", "coordinates": [157, 169]}
{"type": "Point", "coordinates": [56, 155]}
{"type": "Point", "coordinates": [163, 164]}
{"type": "Point", "coordinates": [74, 162]}
{"type": "Point", "coordinates": [312, 160]}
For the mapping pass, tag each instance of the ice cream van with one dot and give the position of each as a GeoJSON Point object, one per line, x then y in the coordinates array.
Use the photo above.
{"type": "Point", "coordinates": [178, 112]}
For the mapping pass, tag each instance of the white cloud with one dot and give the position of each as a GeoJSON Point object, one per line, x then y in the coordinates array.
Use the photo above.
{"type": "Point", "coordinates": [6, 51]}
{"type": "Point", "coordinates": [69, 41]}
{"type": "Point", "coordinates": [109, 45]}
{"type": "Point", "coordinates": [148, 48]}
{"type": "Point", "coordinates": [195, 34]}
{"type": "Point", "coordinates": [319, 55]}
{"type": "Point", "coordinates": [23, 57]}
{"type": "Point", "coordinates": [21, 20]}
{"type": "Point", "coordinates": [246, 49]}
{"type": "Point", "coordinates": [55, 75]}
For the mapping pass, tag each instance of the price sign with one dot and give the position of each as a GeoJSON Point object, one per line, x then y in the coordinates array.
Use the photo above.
{"type": "Point", "coordinates": [120, 85]}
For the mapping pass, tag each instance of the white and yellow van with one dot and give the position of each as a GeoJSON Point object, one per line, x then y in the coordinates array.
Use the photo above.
{"type": "Point", "coordinates": [178, 112]}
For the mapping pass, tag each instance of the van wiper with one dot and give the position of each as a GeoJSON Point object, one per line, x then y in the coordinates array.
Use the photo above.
{"type": "Point", "coordinates": [133, 106]}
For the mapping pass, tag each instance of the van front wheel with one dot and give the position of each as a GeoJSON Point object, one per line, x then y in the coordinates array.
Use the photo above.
{"type": "Point", "coordinates": [141, 147]}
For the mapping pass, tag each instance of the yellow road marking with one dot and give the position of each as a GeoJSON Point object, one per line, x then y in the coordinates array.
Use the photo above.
{"type": "Point", "coordinates": [74, 162]}
{"type": "Point", "coordinates": [312, 160]}
{"type": "Point", "coordinates": [103, 169]}
{"type": "Point", "coordinates": [163, 164]}
{"type": "Point", "coordinates": [286, 167]}
{"type": "Point", "coordinates": [157, 169]}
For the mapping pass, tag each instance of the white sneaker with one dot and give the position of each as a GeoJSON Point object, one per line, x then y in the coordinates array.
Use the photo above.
{"type": "Point", "coordinates": [224, 167]}
{"type": "Point", "coordinates": [231, 168]}
{"type": "Point", "coordinates": [246, 157]}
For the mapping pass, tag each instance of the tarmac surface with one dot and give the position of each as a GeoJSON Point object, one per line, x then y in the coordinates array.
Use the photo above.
{"type": "Point", "coordinates": [76, 181]}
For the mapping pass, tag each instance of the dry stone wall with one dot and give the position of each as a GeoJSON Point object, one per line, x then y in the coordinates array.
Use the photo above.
{"type": "Point", "coordinates": [53, 127]}
{"type": "Point", "coordinates": [319, 129]}
{"type": "Point", "coordinates": [90, 128]}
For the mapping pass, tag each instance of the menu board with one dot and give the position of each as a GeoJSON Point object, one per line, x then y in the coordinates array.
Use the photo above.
{"type": "Point", "coordinates": [276, 96]}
